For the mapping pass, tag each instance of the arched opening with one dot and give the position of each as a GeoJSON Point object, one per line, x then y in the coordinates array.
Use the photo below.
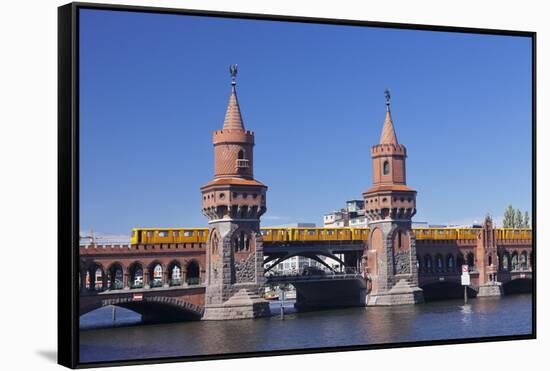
{"type": "Point", "coordinates": [116, 277]}
{"type": "Point", "coordinates": [523, 261]}
{"type": "Point", "coordinates": [439, 263]}
{"type": "Point", "coordinates": [241, 155]}
{"type": "Point", "coordinates": [156, 275]}
{"type": "Point", "coordinates": [386, 167]}
{"type": "Point", "coordinates": [490, 260]}
{"type": "Point", "coordinates": [241, 242]}
{"type": "Point", "coordinates": [515, 261]}
{"type": "Point", "coordinates": [95, 279]}
{"type": "Point", "coordinates": [505, 262]}
{"type": "Point", "coordinates": [419, 266]}
{"type": "Point", "coordinates": [175, 274]}
{"type": "Point", "coordinates": [193, 273]}
{"type": "Point", "coordinates": [450, 263]}
{"type": "Point", "coordinates": [428, 263]}
{"type": "Point", "coordinates": [470, 261]}
{"type": "Point", "coordinates": [98, 279]}
{"type": "Point", "coordinates": [136, 276]}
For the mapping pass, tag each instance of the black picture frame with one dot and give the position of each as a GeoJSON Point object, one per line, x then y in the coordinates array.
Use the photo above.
{"type": "Point", "coordinates": [68, 178]}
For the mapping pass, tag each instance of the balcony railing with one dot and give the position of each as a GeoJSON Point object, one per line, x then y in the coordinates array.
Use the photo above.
{"type": "Point", "coordinates": [242, 164]}
{"type": "Point", "coordinates": [175, 282]}
{"type": "Point", "coordinates": [193, 280]}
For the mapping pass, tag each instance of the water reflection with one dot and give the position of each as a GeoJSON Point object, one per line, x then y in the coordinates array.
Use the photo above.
{"type": "Point", "coordinates": [354, 326]}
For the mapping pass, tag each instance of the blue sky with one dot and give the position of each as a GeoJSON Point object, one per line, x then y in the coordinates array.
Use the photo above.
{"type": "Point", "coordinates": [153, 87]}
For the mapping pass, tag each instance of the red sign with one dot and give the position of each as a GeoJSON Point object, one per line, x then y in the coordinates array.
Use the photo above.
{"type": "Point", "coordinates": [138, 297]}
{"type": "Point", "coordinates": [465, 268]}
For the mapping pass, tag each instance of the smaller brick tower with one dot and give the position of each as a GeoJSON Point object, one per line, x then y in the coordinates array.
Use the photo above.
{"type": "Point", "coordinates": [487, 261]}
{"type": "Point", "coordinates": [233, 203]}
{"type": "Point", "coordinates": [390, 205]}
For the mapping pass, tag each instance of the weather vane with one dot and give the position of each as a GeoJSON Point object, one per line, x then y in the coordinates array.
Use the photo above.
{"type": "Point", "coordinates": [388, 96]}
{"type": "Point", "coordinates": [233, 72]}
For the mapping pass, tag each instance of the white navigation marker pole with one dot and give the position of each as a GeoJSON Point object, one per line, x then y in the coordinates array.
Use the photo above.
{"type": "Point", "coordinates": [465, 280]}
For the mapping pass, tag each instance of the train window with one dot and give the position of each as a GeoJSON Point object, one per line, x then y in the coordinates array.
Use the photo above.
{"type": "Point", "coordinates": [163, 234]}
{"type": "Point", "coordinates": [330, 233]}
{"type": "Point", "coordinates": [311, 233]}
{"type": "Point", "coordinates": [176, 233]}
{"type": "Point", "coordinates": [263, 232]}
{"type": "Point", "coordinates": [188, 233]}
{"type": "Point", "coordinates": [149, 233]}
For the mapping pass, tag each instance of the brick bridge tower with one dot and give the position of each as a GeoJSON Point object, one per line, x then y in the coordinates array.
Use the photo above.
{"type": "Point", "coordinates": [233, 203]}
{"type": "Point", "coordinates": [487, 261]}
{"type": "Point", "coordinates": [390, 205]}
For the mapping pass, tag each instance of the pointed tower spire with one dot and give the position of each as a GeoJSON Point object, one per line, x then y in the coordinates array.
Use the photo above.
{"type": "Point", "coordinates": [388, 132]}
{"type": "Point", "coordinates": [233, 119]}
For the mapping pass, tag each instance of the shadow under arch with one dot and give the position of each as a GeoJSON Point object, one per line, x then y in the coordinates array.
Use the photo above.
{"type": "Point", "coordinates": [445, 290]}
{"type": "Point", "coordinates": [518, 286]}
{"type": "Point", "coordinates": [152, 309]}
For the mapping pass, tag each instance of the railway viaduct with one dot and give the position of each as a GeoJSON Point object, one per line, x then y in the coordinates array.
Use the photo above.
{"type": "Point", "coordinates": [223, 276]}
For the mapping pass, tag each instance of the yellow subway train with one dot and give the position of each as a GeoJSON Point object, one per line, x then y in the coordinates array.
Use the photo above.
{"type": "Point", "coordinates": [196, 235]}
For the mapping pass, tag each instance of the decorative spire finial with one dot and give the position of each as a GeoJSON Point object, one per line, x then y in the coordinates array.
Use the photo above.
{"type": "Point", "coordinates": [233, 72]}
{"type": "Point", "coordinates": [388, 97]}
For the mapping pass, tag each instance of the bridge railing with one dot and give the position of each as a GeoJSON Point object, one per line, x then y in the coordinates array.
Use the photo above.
{"type": "Point", "coordinates": [298, 276]}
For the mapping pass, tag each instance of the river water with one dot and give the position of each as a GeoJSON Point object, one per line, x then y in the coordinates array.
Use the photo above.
{"type": "Point", "coordinates": [451, 319]}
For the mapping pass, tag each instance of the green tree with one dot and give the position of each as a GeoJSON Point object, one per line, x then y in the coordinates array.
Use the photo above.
{"type": "Point", "coordinates": [509, 214]}
{"type": "Point", "coordinates": [526, 219]}
{"type": "Point", "coordinates": [518, 219]}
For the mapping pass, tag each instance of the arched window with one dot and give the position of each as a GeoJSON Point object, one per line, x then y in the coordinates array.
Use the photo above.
{"type": "Point", "coordinates": [136, 276]}
{"type": "Point", "coordinates": [386, 167]}
{"type": "Point", "coordinates": [428, 263]}
{"type": "Point", "coordinates": [450, 263]}
{"type": "Point", "coordinates": [515, 265]}
{"type": "Point", "coordinates": [88, 282]}
{"type": "Point", "coordinates": [418, 264]}
{"type": "Point", "coordinates": [157, 276]}
{"type": "Point", "coordinates": [193, 273]}
{"type": "Point", "coordinates": [439, 263]}
{"type": "Point", "coordinates": [399, 242]}
{"type": "Point", "coordinates": [241, 155]}
{"type": "Point", "coordinates": [98, 279]}
{"type": "Point", "coordinates": [505, 262]}
{"type": "Point", "coordinates": [523, 261]}
{"type": "Point", "coordinates": [175, 274]}
{"type": "Point", "coordinates": [241, 242]}
{"type": "Point", "coordinates": [490, 260]}
{"type": "Point", "coordinates": [116, 277]}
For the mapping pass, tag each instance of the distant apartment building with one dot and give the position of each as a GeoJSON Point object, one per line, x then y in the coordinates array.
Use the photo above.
{"type": "Point", "coordinates": [353, 215]}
